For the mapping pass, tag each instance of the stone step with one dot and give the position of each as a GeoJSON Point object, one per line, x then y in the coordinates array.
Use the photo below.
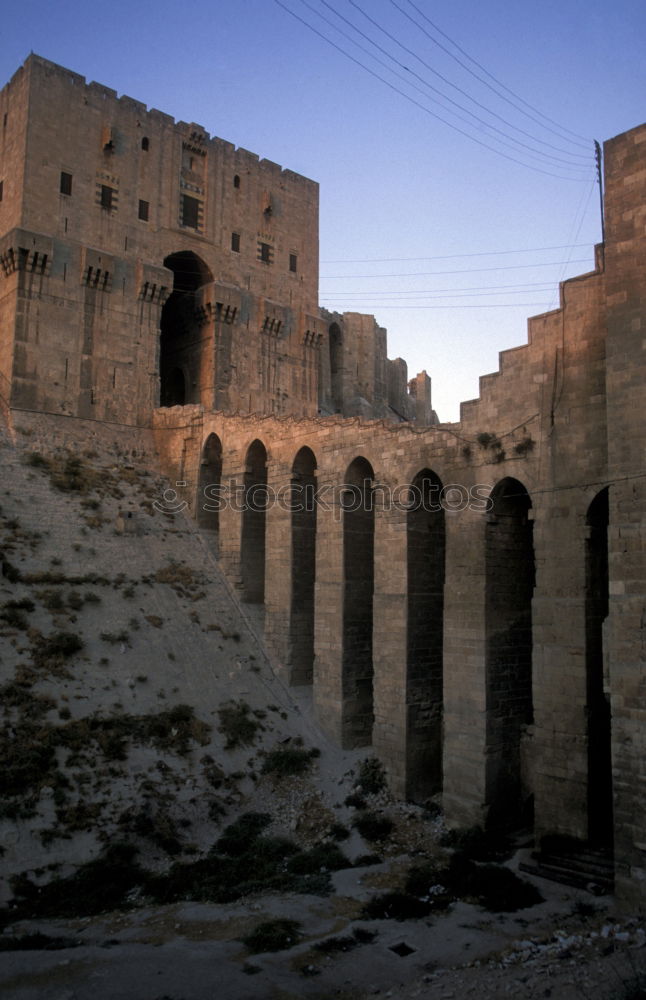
{"type": "Point", "coordinates": [589, 870]}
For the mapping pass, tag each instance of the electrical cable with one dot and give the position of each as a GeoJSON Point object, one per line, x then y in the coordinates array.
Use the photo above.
{"type": "Point", "coordinates": [468, 270]}
{"type": "Point", "coordinates": [444, 79]}
{"type": "Point", "coordinates": [491, 77]}
{"type": "Point", "coordinates": [429, 86]}
{"type": "Point", "coordinates": [423, 107]}
{"type": "Point", "coordinates": [453, 256]}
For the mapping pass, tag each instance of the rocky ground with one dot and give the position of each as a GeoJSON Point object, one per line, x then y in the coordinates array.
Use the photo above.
{"type": "Point", "coordinates": [165, 795]}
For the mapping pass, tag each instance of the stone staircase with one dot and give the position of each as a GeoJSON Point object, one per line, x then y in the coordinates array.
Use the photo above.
{"type": "Point", "coordinates": [580, 865]}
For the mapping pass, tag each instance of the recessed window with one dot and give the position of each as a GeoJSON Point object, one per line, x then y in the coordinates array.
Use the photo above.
{"type": "Point", "coordinates": [264, 252]}
{"type": "Point", "coordinates": [293, 262]}
{"type": "Point", "coordinates": [235, 242]}
{"type": "Point", "coordinates": [145, 144]}
{"type": "Point", "coordinates": [143, 210]}
{"type": "Point", "coordinates": [236, 181]}
{"type": "Point", "coordinates": [66, 183]}
{"type": "Point", "coordinates": [107, 139]}
{"type": "Point", "coordinates": [107, 197]}
{"type": "Point", "coordinates": [190, 212]}
{"type": "Point", "coordinates": [4, 119]}
{"type": "Point", "coordinates": [1, 189]}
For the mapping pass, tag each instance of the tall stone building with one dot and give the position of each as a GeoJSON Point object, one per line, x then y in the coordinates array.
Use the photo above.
{"type": "Point", "coordinates": [118, 223]}
{"type": "Point", "coordinates": [469, 598]}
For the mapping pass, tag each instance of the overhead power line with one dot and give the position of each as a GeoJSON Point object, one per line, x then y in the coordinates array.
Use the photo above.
{"type": "Point", "coordinates": [476, 305]}
{"type": "Point", "coordinates": [421, 106]}
{"type": "Point", "coordinates": [483, 107]}
{"type": "Point", "coordinates": [450, 256]}
{"type": "Point", "coordinates": [584, 141]}
{"type": "Point", "coordinates": [439, 293]}
{"type": "Point", "coordinates": [469, 270]}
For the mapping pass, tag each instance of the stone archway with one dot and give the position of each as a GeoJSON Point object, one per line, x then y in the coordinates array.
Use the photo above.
{"type": "Point", "coordinates": [358, 591]}
{"type": "Point", "coordinates": [510, 575]}
{"type": "Point", "coordinates": [600, 791]}
{"type": "Point", "coordinates": [301, 632]}
{"type": "Point", "coordinates": [207, 502]}
{"type": "Point", "coordinates": [425, 533]}
{"type": "Point", "coordinates": [254, 516]}
{"type": "Point", "coordinates": [185, 361]}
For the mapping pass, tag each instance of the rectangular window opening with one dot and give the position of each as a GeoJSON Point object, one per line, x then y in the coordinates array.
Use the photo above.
{"type": "Point", "coordinates": [190, 211]}
{"type": "Point", "coordinates": [293, 262]}
{"type": "Point", "coordinates": [143, 210]}
{"type": "Point", "coordinates": [66, 183]}
{"type": "Point", "coordinates": [107, 197]}
{"type": "Point", "coordinates": [1, 189]}
{"type": "Point", "coordinates": [235, 242]}
{"type": "Point", "coordinates": [264, 252]}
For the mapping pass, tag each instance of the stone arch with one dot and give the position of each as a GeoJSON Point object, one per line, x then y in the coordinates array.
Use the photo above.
{"type": "Point", "coordinates": [301, 638]}
{"type": "Point", "coordinates": [254, 515]}
{"type": "Point", "coordinates": [207, 506]}
{"type": "Point", "coordinates": [426, 545]}
{"type": "Point", "coordinates": [358, 590]}
{"type": "Point", "coordinates": [335, 343]}
{"type": "Point", "coordinates": [510, 575]}
{"type": "Point", "coordinates": [600, 794]}
{"type": "Point", "coordinates": [182, 346]}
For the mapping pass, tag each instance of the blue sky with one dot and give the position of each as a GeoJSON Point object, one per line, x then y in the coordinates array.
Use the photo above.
{"type": "Point", "coordinates": [411, 209]}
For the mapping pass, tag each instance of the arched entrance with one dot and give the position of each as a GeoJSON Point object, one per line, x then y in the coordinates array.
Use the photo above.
{"type": "Point", "coordinates": [185, 365]}
{"type": "Point", "coordinates": [425, 532]}
{"type": "Point", "coordinates": [252, 555]}
{"type": "Point", "coordinates": [509, 554]}
{"type": "Point", "coordinates": [600, 804]}
{"type": "Point", "coordinates": [207, 505]}
{"type": "Point", "coordinates": [301, 638]}
{"type": "Point", "coordinates": [358, 589]}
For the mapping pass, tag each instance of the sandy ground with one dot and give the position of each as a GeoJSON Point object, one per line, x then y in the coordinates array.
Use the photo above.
{"type": "Point", "coordinates": [571, 946]}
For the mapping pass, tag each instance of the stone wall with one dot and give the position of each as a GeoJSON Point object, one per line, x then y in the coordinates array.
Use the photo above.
{"type": "Point", "coordinates": [490, 645]}
{"type": "Point", "coordinates": [166, 265]}
{"type": "Point", "coordinates": [530, 706]}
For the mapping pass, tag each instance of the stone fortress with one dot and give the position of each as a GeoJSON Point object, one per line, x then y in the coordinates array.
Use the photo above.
{"type": "Point", "coordinates": [162, 285]}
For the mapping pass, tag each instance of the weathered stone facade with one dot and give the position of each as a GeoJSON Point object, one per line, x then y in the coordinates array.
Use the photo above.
{"type": "Point", "coordinates": [489, 646]}
{"type": "Point", "coordinates": [117, 222]}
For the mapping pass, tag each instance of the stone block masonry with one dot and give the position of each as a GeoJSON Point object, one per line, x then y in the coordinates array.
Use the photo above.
{"type": "Point", "coordinates": [167, 267]}
{"type": "Point", "coordinates": [468, 599]}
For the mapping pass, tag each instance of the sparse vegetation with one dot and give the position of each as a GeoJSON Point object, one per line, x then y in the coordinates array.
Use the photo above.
{"type": "Point", "coordinates": [355, 801]}
{"type": "Point", "coordinates": [395, 906]}
{"type": "Point", "coordinates": [359, 936]}
{"type": "Point", "coordinates": [99, 885]}
{"type": "Point", "coordinates": [114, 638]}
{"type": "Point", "coordinates": [36, 460]}
{"type": "Point", "coordinates": [70, 475]}
{"type": "Point", "coordinates": [50, 652]}
{"type": "Point", "coordinates": [238, 724]}
{"type": "Point", "coordinates": [37, 942]}
{"type": "Point", "coordinates": [373, 826]}
{"type": "Point", "coordinates": [273, 935]}
{"type": "Point", "coordinates": [477, 844]}
{"type": "Point", "coordinates": [287, 761]}
{"type": "Point", "coordinates": [372, 776]}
